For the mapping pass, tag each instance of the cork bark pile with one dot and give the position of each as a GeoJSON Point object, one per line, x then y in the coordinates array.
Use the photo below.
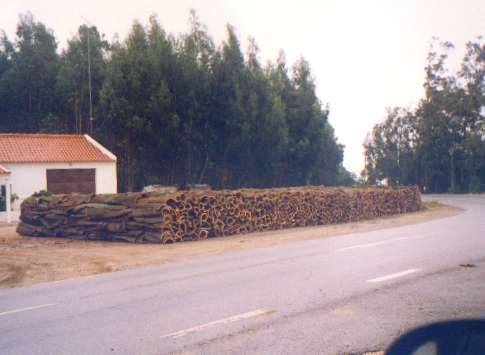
{"type": "Point", "coordinates": [184, 216]}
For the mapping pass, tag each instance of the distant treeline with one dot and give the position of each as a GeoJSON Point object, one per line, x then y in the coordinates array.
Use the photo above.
{"type": "Point", "coordinates": [174, 109]}
{"type": "Point", "coordinates": [440, 144]}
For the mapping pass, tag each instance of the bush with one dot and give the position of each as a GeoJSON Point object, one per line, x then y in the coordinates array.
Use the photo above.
{"type": "Point", "coordinates": [42, 193]}
{"type": "Point", "coordinates": [475, 185]}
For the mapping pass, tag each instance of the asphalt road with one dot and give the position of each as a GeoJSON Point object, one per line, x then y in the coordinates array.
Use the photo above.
{"type": "Point", "coordinates": [342, 294]}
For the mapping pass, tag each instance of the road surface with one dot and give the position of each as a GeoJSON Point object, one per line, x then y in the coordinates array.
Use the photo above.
{"type": "Point", "coordinates": [345, 294]}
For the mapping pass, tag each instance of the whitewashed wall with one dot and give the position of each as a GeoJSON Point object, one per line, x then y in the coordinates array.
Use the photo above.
{"type": "Point", "coordinates": [27, 178]}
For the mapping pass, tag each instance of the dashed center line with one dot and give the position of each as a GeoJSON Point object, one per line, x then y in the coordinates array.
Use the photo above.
{"type": "Point", "coordinates": [27, 309]}
{"type": "Point", "coordinates": [393, 276]}
{"type": "Point", "coordinates": [369, 245]}
{"type": "Point", "coordinates": [256, 313]}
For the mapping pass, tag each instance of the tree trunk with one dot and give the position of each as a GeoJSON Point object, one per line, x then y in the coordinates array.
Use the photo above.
{"type": "Point", "coordinates": [204, 167]}
{"type": "Point", "coordinates": [129, 174]}
{"type": "Point", "coordinates": [75, 109]}
{"type": "Point", "coordinates": [452, 173]}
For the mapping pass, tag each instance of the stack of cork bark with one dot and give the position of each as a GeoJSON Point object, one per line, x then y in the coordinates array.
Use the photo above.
{"type": "Point", "coordinates": [182, 216]}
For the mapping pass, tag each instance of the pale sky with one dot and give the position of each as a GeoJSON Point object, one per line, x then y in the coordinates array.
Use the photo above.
{"type": "Point", "coordinates": [365, 55]}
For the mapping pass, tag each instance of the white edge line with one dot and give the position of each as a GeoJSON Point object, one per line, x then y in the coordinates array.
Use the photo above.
{"type": "Point", "coordinates": [258, 312]}
{"type": "Point", "coordinates": [393, 276]}
{"type": "Point", "coordinates": [27, 309]}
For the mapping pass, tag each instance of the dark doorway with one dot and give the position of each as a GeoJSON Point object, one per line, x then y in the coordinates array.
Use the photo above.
{"type": "Point", "coordinates": [3, 198]}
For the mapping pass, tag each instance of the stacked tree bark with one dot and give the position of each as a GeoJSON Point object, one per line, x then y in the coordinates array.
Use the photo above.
{"type": "Point", "coordinates": [182, 216]}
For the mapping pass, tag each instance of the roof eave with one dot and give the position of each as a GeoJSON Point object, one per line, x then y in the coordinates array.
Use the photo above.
{"type": "Point", "coordinates": [58, 162]}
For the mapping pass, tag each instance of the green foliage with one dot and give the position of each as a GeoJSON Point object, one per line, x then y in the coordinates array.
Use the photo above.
{"type": "Point", "coordinates": [429, 205]}
{"type": "Point", "coordinates": [346, 178]}
{"type": "Point", "coordinates": [42, 193]}
{"type": "Point", "coordinates": [476, 185]}
{"type": "Point", "coordinates": [14, 197]}
{"type": "Point", "coordinates": [174, 109]}
{"type": "Point", "coordinates": [439, 145]}
{"type": "Point", "coordinates": [28, 80]}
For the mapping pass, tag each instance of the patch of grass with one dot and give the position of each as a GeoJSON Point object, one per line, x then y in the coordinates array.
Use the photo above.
{"type": "Point", "coordinates": [428, 205]}
{"type": "Point", "coordinates": [12, 274]}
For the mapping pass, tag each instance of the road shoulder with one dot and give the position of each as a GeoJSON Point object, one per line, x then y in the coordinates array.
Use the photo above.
{"type": "Point", "coordinates": [25, 260]}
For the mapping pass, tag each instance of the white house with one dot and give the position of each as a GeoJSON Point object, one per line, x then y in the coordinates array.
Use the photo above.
{"type": "Point", "coordinates": [54, 162]}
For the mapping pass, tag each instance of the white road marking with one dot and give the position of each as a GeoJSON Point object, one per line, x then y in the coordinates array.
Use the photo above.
{"type": "Point", "coordinates": [393, 276]}
{"type": "Point", "coordinates": [370, 245]}
{"type": "Point", "coordinates": [27, 309]}
{"type": "Point", "coordinates": [256, 313]}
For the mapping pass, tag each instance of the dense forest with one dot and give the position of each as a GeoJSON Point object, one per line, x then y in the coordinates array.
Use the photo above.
{"type": "Point", "coordinates": [174, 109]}
{"type": "Point", "coordinates": [439, 144]}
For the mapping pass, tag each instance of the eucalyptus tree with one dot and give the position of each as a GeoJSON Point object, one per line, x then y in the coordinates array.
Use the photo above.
{"type": "Point", "coordinates": [306, 122]}
{"type": "Point", "coordinates": [125, 99]}
{"type": "Point", "coordinates": [6, 53]}
{"type": "Point", "coordinates": [194, 54]}
{"type": "Point", "coordinates": [28, 81]}
{"type": "Point", "coordinates": [268, 135]}
{"type": "Point", "coordinates": [84, 56]}
{"type": "Point", "coordinates": [228, 121]}
{"type": "Point", "coordinates": [444, 135]}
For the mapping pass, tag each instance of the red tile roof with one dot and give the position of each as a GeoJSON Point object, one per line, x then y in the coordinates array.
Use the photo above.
{"type": "Point", "coordinates": [4, 170]}
{"type": "Point", "coordinates": [49, 148]}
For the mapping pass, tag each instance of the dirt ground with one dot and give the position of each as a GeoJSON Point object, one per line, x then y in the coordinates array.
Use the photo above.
{"type": "Point", "coordinates": [28, 260]}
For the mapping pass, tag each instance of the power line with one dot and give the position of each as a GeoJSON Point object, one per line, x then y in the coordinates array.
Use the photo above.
{"type": "Point", "coordinates": [91, 119]}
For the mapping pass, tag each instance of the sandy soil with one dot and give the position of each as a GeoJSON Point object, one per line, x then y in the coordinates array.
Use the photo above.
{"type": "Point", "coordinates": [27, 260]}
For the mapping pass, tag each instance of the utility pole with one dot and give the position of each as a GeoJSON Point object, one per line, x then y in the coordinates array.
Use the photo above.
{"type": "Point", "coordinates": [91, 119]}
